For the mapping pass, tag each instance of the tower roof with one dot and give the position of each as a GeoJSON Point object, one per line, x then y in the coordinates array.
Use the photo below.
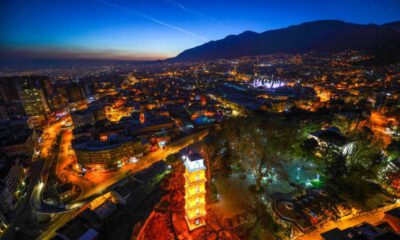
{"type": "Point", "coordinates": [193, 162]}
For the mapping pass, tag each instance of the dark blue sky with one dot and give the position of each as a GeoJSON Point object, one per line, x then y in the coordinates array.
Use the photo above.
{"type": "Point", "coordinates": [139, 29]}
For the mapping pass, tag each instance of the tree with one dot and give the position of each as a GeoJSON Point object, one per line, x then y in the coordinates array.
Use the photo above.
{"type": "Point", "coordinates": [174, 185]}
{"type": "Point", "coordinates": [172, 159]}
{"type": "Point", "coordinates": [208, 151]}
{"type": "Point", "coordinates": [362, 115]}
{"type": "Point", "coordinates": [254, 210]}
{"type": "Point", "coordinates": [357, 163]}
{"type": "Point", "coordinates": [258, 217]}
{"type": "Point", "coordinates": [259, 145]}
{"type": "Point", "coordinates": [357, 154]}
{"type": "Point", "coordinates": [332, 161]}
{"type": "Point", "coordinates": [218, 226]}
{"type": "Point", "coordinates": [343, 124]}
{"type": "Point", "coordinates": [337, 167]}
{"type": "Point", "coordinates": [394, 149]}
{"type": "Point", "coordinates": [309, 147]}
{"type": "Point", "coordinates": [226, 159]}
{"type": "Point", "coordinates": [364, 157]}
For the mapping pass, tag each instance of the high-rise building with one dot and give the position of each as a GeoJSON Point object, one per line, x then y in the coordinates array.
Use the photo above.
{"type": "Point", "coordinates": [195, 190]}
{"type": "Point", "coordinates": [88, 88]}
{"type": "Point", "coordinates": [56, 102]}
{"type": "Point", "coordinates": [9, 99]}
{"type": "Point", "coordinates": [75, 92]}
{"type": "Point", "coordinates": [25, 94]}
{"type": "Point", "coordinates": [32, 95]}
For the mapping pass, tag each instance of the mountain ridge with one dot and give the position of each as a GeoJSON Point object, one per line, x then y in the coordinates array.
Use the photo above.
{"type": "Point", "coordinates": [393, 25]}
{"type": "Point", "coordinates": [321, 35]}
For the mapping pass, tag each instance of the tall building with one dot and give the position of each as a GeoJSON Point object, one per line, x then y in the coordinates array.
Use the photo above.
{"type": "Point", "coordinates": [94, 113]}
{"type": "Point", "coordinates": [195, 190]}
{"type": "Point", "coordinates": [75, 92]}
{"type": "Point", "coordinates": [89, 88]}
{"type": "Point", "coordinates": [32, 95]}
{"type": "Point", "coordinates": [10, 103]}
{"type": "Point", "coordinates": [56, 102]}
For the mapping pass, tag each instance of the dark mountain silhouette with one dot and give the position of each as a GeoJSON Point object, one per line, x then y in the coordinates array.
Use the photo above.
{"type": "Point", "coordinates": [392, 25]}
{"type": "Point", "coordinates": [322, 36]}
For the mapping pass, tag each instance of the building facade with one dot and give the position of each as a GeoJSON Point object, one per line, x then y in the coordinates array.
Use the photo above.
{"type": "Point", "coordinates": [6, 199]}
{"type": "Point", "coordinates": [110, 153]}
{"type": "Point", "coordinates": [32, 96]}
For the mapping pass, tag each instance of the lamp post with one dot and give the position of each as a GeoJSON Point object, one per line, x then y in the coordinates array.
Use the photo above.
{"type": "Point", "coordinates": [298, 173]}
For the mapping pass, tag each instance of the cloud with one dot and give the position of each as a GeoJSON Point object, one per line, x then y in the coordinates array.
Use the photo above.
{"type": "Point", "coordinates": [152, 19]}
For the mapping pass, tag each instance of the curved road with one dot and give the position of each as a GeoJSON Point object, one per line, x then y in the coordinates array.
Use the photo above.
{"type": "Point", "coordinates": [94, 185]}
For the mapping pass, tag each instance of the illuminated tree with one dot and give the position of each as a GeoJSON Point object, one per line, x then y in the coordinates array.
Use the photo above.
{"type": "Point", "coordinates": [364, 158]}
{"type": "Point", "coordinates": [174, 185]}
{"type": "Point", "coordinates": [357, 155]}
{"type": "Point", "coordinates": [157, 229]}
{"type": "Point", "coordinates": [218, 226]}
{"type": "Point", "coordinates": [343, 124]}
{"type": "Point", "coordinates": [358, 163]}
{"type": "Point", "coordinates": [260, 145]}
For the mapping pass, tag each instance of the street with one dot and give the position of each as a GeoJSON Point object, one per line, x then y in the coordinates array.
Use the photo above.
{"type": "Point", "coordinates": [373, 217]}
{"type": "Point", "coordinates": [96, 183]}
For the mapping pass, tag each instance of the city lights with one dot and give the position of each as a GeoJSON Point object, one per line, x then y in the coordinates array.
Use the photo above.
{"type": "Point", "coordinates": [200, 120]}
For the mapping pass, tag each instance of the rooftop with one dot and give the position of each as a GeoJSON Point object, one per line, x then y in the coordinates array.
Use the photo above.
{"type": "Point", "coordinates": [193, 162]}
{"type": "Point", "coordinates": [88, 144]}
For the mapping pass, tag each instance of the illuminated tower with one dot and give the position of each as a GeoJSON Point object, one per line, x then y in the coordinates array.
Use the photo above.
{"type": "Point", "coordinates": [195, 191]}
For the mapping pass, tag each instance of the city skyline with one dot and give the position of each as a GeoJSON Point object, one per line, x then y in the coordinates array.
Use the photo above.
{"type": "Point", "coordinates": [126, 30]}
{"type": "Point", "coordinates": [200, 120]}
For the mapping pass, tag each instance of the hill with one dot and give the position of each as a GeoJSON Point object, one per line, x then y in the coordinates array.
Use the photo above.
{"type": "Point", "coordinates": [322, 36]}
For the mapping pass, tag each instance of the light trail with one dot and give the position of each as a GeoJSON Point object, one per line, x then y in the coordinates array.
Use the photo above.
{"type": "Point", "coordinates": [190, 11]}
{"type": "Point", "coordinates": [152, 19]}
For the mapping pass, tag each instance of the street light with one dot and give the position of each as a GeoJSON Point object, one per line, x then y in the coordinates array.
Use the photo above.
{"type": "Point", "coordinates": [298, 173]}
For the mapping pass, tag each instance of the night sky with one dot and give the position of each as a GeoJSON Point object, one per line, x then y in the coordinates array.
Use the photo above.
{"type": "Point", "coordinates": [152, 29]}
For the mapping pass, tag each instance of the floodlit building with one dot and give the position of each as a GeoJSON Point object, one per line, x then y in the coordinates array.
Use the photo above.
{"type": "Point", "coordinates": [195, 191]}
{"type": "Point", "coordinates": [91, 115]}
{"type": "Point", "coordinates": [110, 153]}
{"type": "Point", "coordinates": [267, 83]}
